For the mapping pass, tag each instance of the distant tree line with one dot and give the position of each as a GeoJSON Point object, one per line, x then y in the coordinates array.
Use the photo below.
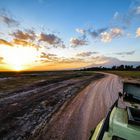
{"type": "Point", "coordinates": [119, 68]}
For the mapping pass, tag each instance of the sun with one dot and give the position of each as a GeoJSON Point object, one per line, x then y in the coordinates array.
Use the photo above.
{"type": "Point", "coordinates": [19, 58]}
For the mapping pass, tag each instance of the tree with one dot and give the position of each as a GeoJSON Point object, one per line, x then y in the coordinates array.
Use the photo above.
{"type": "Point", "coordinates": [121, 67]}
{"type": "Point", "coordinates": [138, 67]}
{"type": "Point", "coordinates": [114, 68]}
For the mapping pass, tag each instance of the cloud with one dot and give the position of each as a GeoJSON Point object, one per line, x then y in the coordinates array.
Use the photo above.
{"type": "Point", "coordinates": [116, 15]}
{"type": "Point", "coordinates": [7, 19]}
{"type": "Point", "coordinates": [20, 42]}
{"type": "Point", "coordinates": [125, 20]}
{"type": "Point", "coordinates": [106, 37]}
{"type": "Point", "coordinates": [96, 33]}
{"type": "Point", "coordinates": [48, 55]}
{"type": "Point", "coordinates": [51, 39]}
{"type": "Point", "coordinates": [110, 61]}
{"type": "Point", "coordinates": [112, 33]}
{"type": "Point", "coordinates": [71, 60]}
{"type": "Point", "coordinates": [74, 42]}
{"type": "Point", "coordinates": [31, 35]}
{"type": "Point", "coordinates": [4, 42]}
{"type": "Point", "coordinates": [125, 53]}
{"type": "Point", "coordinates": [122, 20]}
{"type": "Point", "coordinates": [103, 34]}
{"type": "Point", "coordinates": [81, 31]}
{"type": "Point", "coordinates": [53, 58]}
{"type": "Point", "coordinates": [49, 58]}
{"type": "Point", "coordinates": [85, 54]}
{"type": "Point", "coordinates": [138, 32]}
{"type": "Point", "coordinates": [24, 43]}
{"type": "Point", "coordinates": [137, 10]}
{"type": "Point", "coordinates": [99, 60]}
{"type": "Point", "coordinates": [116, 32]}
{"type": "Point", "coordinates": [1, 60]}
{"type": "Point", "coordinates": [24, 35]}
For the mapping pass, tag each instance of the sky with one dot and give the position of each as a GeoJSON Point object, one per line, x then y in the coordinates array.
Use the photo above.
{"type": "Point", "coordinates": [68, 34]}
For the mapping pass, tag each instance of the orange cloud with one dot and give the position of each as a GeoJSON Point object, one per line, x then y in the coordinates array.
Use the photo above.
{"type": "Point", "coordinates": [138, 32]}
{"type": "Point", "coordinates": [21, 42]}
{"type": "Point", "coordinates": [25, 43]}
{"type": "Point", "coordinates": [48, 57]}
{"type": "Point", "coordinates": [4, 42]}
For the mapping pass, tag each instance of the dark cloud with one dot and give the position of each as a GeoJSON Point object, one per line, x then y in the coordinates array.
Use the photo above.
{"type": "Point", "coordinates": [96, 33]}
{"type": "Point", "coordinates": [1, 60]}
{"type": "Point", "coordinates": [47, 55]}
{"type": "Point", "coordinates": [125, 53]}
{"type": "Point", "coordinates": [24, 35]}
{"type": "Point", "coordinates": [51, 39]}
{"type": "Point", "coordinates": [75, 42]}
{"type": "Point", "coordinates": [4, 42]}
{"type": "Point", "coordinates": [7, 19]}
{"type": "Point", "coordinates": [30, 35]}
{"type": "Point", "coordinates": [103, 34]}
{"type": "Point", "coordinates": [30, 38]}
{"type": "Point", "coordinates": [86, 54]}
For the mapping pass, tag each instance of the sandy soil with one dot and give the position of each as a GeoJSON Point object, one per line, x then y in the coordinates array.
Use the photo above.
{"type": "Point", "coordinates": [83, 113]}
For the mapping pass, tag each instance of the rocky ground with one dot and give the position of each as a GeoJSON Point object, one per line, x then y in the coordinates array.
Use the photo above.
{"type": "Point", "coordinates": [29, 101]}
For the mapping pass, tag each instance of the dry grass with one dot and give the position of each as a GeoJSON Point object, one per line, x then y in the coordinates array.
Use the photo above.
{"type": "Point", "coordinates": [127, 74]}
{"type": "Point", "coordinates": [26, 79]}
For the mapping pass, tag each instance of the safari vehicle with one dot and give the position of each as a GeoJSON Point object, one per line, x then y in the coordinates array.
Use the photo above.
{"type": "Point", "coordinates": [122, 123]}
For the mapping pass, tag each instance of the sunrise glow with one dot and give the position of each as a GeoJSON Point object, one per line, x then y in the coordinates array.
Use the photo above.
{"type": "Point", "coordinates": [19, 58]}
{"type": "Point", "coordinates": [105, 33]}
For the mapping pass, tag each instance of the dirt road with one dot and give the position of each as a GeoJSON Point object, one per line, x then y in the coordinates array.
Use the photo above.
{"type": "Point", "coordinates": [84, 112]}
{"type": "Point", "coordinates": [26, 109]}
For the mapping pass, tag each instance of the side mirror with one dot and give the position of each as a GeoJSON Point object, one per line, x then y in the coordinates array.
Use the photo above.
{"type": "Point", "coordinates": [120, 94]}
